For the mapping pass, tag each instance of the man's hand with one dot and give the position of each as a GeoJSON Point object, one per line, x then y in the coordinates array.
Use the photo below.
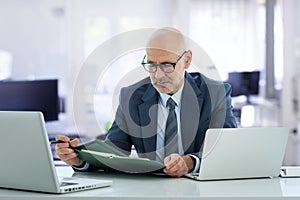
{"type": "Point", "coordinates": [177, 166]}
{"type": "Point", "coordinates": [65, 151]}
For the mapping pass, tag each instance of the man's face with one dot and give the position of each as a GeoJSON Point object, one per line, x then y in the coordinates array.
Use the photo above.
{"type": "Point", "coordinates": [166, 82]}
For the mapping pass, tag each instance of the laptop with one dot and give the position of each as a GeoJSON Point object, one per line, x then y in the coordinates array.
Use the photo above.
{"type": "Point", "coordinates": [26, 158]}
{"type": "Point", "coordinates": [238, 153]}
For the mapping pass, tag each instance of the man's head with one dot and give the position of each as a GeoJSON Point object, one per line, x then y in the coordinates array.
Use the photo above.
{"type": "Point", "coordinates": [167, 45]}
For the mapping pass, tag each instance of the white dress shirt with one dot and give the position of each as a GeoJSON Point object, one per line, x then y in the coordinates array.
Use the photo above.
{"type": "Point", "coordinates": [162, 115]}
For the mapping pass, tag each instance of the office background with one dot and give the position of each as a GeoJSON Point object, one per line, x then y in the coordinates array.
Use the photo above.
{"type": "Point", "coordinates": [51, 39]}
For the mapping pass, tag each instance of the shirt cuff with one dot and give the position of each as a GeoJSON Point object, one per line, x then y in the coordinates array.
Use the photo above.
{"type": "Point", "coordinates": [197, 165]}
{"type": "Point", "coordinates": [82, 167]}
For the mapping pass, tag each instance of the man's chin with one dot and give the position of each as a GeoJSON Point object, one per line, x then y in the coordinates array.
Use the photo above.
{"type": "Point", "coordinates": [162, 89]}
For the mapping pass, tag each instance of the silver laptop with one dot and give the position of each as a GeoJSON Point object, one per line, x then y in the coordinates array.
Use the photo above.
{"type": "Point", "coordinates": [237, 153]}
{"type": "Point", "coordinates": [26, 158]}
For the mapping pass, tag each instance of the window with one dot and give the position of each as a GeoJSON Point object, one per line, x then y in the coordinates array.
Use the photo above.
{"type": "Point", "coordinates": [231, 32]}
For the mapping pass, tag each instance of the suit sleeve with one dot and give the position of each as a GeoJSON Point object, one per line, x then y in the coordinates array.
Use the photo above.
{"type": "Point", "coordinates": [117, 135]}
{"type": "Point", "coordinates": [221, 115]}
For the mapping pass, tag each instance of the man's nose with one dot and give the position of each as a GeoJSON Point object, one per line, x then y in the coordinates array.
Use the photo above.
{"type": "Point", "coordinates": [159, 73]}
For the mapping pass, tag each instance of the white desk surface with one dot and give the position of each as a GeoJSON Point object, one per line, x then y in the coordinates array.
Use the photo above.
{"type": "Point", "coordinates": [128, 186]}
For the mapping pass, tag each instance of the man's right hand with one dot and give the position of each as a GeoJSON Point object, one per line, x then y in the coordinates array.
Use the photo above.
{"type": "Point", "coordinates": [65, 151]}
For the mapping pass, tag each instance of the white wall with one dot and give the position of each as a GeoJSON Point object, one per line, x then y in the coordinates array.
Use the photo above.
{"type": "Point", "coordinates": [33, 33]}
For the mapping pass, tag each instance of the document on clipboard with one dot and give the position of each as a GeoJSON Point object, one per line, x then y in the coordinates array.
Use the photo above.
{"type": "Point", "coordinates": [104, 156]}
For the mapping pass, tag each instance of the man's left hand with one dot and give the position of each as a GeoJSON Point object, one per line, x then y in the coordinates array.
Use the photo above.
{"type": "Point", "coordinates": [177, 166]}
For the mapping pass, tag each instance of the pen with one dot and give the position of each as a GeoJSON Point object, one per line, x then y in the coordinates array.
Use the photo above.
{"type": "Point", "coordinates": [60, 141]}
{"type": "Point", "coordinates": [57, 141]}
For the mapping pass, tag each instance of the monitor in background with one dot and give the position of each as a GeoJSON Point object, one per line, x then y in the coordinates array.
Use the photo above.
{"type": "Point", "coordinates": [244, 83]}
{"type": "Point", "coordinates": [31, 95]}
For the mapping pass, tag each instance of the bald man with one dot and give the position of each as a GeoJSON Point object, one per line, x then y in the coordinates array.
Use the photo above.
{"type": "Point", "coordinates": [165, 116]}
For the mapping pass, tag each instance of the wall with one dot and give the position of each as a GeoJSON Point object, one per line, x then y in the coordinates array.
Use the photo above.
{"type": "Point", "coordinates": [33, 32]}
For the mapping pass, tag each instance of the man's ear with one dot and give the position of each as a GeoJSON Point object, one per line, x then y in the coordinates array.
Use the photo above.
{"type": "Point", "coordinates": [188, 58]}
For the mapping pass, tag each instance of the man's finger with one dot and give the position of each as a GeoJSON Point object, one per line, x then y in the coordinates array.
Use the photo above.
{"type": "Point", "coordinates": [63, 151]}
{"type": "Point", "coordinates": [171, 161]}
{"type": "Point", "coordinates": [74, 142]}
{"type": "Point", "coordinates": [62, 138]}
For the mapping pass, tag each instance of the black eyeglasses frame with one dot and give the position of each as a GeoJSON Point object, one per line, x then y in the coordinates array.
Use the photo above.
{"type": "Point", "coordinates": [161, 65]}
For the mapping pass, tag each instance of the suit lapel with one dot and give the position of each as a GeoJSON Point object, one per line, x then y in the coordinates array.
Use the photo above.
{"type": "Point", "coordinates": [148, 121]}
{"type": "Point", "coordinates": [190, 113]}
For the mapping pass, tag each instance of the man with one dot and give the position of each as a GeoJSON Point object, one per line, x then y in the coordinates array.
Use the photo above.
{"type": "Point", "coordinates": [172, 130]}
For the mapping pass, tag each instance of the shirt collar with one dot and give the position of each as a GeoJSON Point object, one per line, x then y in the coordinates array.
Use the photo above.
{"type": "Point", "coordinates": [176, 97]}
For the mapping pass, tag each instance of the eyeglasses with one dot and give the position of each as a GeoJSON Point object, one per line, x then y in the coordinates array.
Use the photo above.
{"type": "Point", "coordinates": [166, 67]}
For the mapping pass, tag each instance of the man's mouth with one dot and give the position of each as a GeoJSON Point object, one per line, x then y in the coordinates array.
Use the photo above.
{"type": "Point", "coordinates": [163, 84]}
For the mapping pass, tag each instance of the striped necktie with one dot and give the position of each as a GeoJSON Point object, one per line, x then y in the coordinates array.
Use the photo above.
{"type": "Point", "coordinates": [171, 136]}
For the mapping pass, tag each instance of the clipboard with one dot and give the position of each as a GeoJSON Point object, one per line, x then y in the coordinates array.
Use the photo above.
{"type": "Point", "coordinates": [104, 156]}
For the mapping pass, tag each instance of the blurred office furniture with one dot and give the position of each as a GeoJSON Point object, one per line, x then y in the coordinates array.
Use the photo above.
{"type": "Point", "coordinates": [245, 90]}
{"type": "Point", "coordinates": [244, 83]}
{"type": "Point", "coordinates": [31, 95]}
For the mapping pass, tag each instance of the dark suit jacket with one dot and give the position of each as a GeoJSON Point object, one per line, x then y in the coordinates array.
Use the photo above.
{"type": "Point", "coordinates": [205, 103]}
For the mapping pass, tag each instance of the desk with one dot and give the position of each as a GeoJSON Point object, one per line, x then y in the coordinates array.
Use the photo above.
{"type": "Point", "coordinates": [126, 186]}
